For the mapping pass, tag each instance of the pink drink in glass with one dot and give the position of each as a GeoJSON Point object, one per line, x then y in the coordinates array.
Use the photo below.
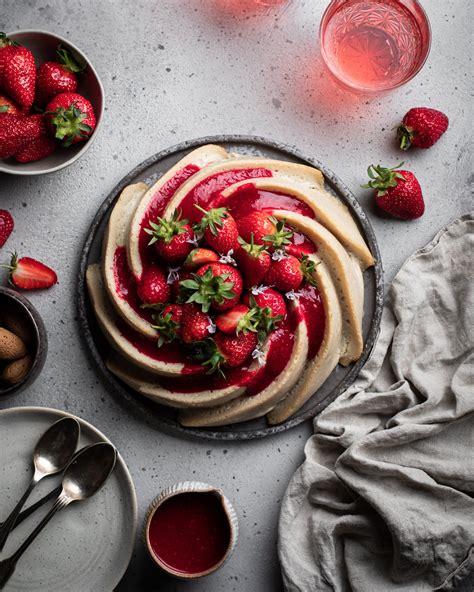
{"type": "Point", "coordinates": [374, 45]}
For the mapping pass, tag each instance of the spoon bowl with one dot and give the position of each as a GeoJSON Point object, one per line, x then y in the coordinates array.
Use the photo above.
{"type": "Point", "coordinates": [88, 472]}
{"type": "Point", "coordinates": [56, 447]}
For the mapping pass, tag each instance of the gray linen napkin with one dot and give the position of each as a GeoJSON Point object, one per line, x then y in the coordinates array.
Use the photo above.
{"type": "Point", "coordinates": [385, 498]}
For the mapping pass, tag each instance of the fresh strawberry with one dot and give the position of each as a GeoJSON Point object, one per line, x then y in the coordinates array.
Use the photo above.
{"type": "Point", "coordinates": [234, 320]}
{"type": "Point", "coordinates": [285, 274]}
{"type": "Point", "coordinates": [17, 72]}
{"type": "Point", "coordinates": [53, 78]}
{"type": "Point", "coordinates": [216, 284]}
{"type": "Point", "coordinates": [29, 274]}
{"type": "Point", "coordinates": [397, 192]}
{"type": "Point", "coordinates": [6, 226]}
{"type": "Point", "coordinates": [280, 237]}
{"type": "Point", "coordinates": [18, 131]}
{"type": "Point", "coordinates": [253, 260]}
{"type": "Point", "coordinates": [172, 238]}
{"type": "Point", "coordinates": [174, 280]}
{"type": "Point", "coordinates": [37, 149]}
{"type": "Point", "coordinates": [168, 323]}
{"type": "Point", "coordinates": [421, 127]}
{"type": "Point", "coordinates": [267, 297]}
{"type": "Point", "coordinates": [70, 118]}
{"type": "Point", "coordinates": [257, 224]}
{"type": "Point", "coordinates": [196, 324]}
{"type": "Point", "coordinates": [153, 288]}
{"type": "Point", "coordinates": [229, 351]}
{"type": "Point", "coordinates": [8, 106]}
{"type": "Point", "coordinates": [219, 228]}
{"type": "Point", "coordinates": [198, 257]}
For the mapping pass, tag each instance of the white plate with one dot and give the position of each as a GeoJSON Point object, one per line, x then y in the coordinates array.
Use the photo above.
{"type": "Point", "coordinates": [86, 547]}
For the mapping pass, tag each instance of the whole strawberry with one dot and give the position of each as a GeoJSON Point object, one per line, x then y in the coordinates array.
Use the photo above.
{"type": "Point", "coordinates": [17, 72]}
{"type": "Point", "coordinates": [219, 228]}
{"type": "Point", "coordinates": [219, 285]}
{"type": "Point", "coordinates": [8, 106]}
{"type": "Point", "coordinates": [168, 323]}
{"type": "Point", "coordinates": [264, 297]}
{"type": "Point", "coordinates": [6, 226]}
{"type": "Point", "coordinates": [196, 324]}
{"type": "Point", "coordinates": [285, 274]}
{"type": "Point", "coordinates": [397, 192]}
{"type": "Point", "coordinates": [70, 118]}
{"type": "Point", "coordinates": [153, 288]}
{"type": "Point", "coordinates": [253, 260]}
{"type": "Point", "coordinates": [39, 148]}
{"type": "Point", "coordinates": [230, 351]}
{"type": "Point", "coordinates": [53, 78]}
{"type": "Point", "coordinates": [421, 127]}
{"type": "Point", "coordinates": [18, 131]}
{"type": "Point", "coordinates": [29, 274]}
{"type": "Point", "coordinates": [258, 225]}
{"type": "Point", "coordinates": [172, 238]}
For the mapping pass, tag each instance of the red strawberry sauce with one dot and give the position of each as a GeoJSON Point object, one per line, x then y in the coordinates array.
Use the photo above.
{"type": "Point", "coordinates": [311, 311]}
{"type": "Point", "coordinates": [126, 286]}
{"type": "Point", "coordinates": [190, 532]}
{"type": "Point", "coordinates": [205, 192]}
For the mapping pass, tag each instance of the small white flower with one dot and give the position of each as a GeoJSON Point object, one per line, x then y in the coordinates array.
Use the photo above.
{"type": "Point", "coordinates": [258, 355]}
{"type": "Point", "coordinates": [211, 328]}
{"type": "Point", "coordinates": [173, 275]}
{"type": "Point", "coordinates": [292, 295]}
{"type": "Point", "coordinates": [279, 254]}
{"type": "Point", "coordinates": [193, 241]}
{"type": "Point", "coordinates": [228, 258]}
{"type": "Point", "coordinates": [256, 290]}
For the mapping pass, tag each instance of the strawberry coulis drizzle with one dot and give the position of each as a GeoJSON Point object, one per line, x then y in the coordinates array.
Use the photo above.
{"type": "Point", "coordinates": [311, 311]}
{"type": "Point", "coordinates": [126, 286]}
{"type": "Point", "coordinates": [205, 192]}
{"type": "Point", "coordinates": [157, 207]}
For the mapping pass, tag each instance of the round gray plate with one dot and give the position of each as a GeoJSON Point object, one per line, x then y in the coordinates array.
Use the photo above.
{"type": "Point", "coordinates": [86, 547]}
{"type": "Point", "coordinates": [163, 417]}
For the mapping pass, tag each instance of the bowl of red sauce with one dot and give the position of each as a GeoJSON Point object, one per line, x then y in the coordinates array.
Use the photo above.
{"type": "Point", "coordinates": [191, 529]}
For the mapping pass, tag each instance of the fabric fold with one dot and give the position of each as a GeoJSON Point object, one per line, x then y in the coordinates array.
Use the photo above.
{"type": "Point", "coordinates": [384, 499]}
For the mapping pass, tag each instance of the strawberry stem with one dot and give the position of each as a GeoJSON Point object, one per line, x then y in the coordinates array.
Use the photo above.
{"type": "Point", "coordinates": [165, 230]}
{"type": "Point", "coordinates": [207, 289]}
{"type": "Point", "coordinates": [68, 61]}
{"type": "Point", "coordinates": [68, 124]}
{"type": "Point", "coordinates": [281, 236]}
{"type": "Point", "coordinates": [382, 178]}
{"type": "Point", "coordinates": [212, 218]}
{"type": "Point", "coordinates": [405, 135]}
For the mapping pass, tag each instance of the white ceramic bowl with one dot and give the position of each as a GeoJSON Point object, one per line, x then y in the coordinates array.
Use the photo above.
{"type": "Point", "coordinates": [44, 45]}
{"type": "Point", "coordinates": [192, 487]}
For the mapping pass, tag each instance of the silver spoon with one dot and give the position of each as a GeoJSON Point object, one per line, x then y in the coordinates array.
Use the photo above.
{"type": "Point", "coordinates": [82, 479]}
{"type": "Point", "coordinates": [24, 514]}
{"type": "Point", "coordinates": [52, 453]}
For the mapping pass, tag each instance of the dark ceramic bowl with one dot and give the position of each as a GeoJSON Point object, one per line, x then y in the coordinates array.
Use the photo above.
{"type": "Point", "coordinates": [43, 45]}
{"type": "Point", "coordinates": [13, 303]}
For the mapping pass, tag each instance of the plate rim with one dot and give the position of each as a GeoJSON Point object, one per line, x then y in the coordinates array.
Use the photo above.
{"type": "Point", "coordinates": [173, 428]}
{"type": "Point", "coordinates": [120, 460]}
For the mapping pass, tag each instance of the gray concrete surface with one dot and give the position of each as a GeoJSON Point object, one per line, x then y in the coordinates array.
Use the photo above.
{"type": "Point", "coordinates": [180, 69]}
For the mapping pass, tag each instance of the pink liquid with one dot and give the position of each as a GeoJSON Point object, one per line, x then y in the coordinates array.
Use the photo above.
{"type": "Point", "coordinates": [374, 45]}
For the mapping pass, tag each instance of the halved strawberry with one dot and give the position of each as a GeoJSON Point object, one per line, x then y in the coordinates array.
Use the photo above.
{"type": "Point", "coordinates": [172, 238]}
{"type": "Point", "coordinates": [234, 320]}
{"type": "Point", "coordinates": [198, 257]}
{"type": "Point", "coordinates": [153, 288]}
{"type": "Point", "coordinates": [219, 228]}
{"type": "Point", "coordinates": [253, 260]}
{"type": "Point", "coordinates": [6, 226]}
{"type": "Point", "coordinates": [29, 274]}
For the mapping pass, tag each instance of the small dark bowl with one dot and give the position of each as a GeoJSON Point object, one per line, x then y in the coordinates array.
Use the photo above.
{"type": "Point", "coordinates": [37, 342]}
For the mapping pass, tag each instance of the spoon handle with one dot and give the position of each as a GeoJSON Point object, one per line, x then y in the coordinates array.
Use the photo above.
{"type": "Point", "coordinates": [9, 523]}
{"type": "Point", "coordinates": [24, 514]}
{"type": "Point", "coordinates": [7, 566]}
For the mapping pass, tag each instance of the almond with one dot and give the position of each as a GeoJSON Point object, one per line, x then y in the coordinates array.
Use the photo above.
{"type": "Point", "coordinates": [15, 372]}
{"type": "Point", "coordinates": [20, 325]}
{"type": "Point", "coordinates": [11, 346]}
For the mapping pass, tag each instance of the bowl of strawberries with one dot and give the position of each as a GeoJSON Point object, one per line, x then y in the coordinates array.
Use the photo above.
{"type": "Point", "coordinates": [51, 103]}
